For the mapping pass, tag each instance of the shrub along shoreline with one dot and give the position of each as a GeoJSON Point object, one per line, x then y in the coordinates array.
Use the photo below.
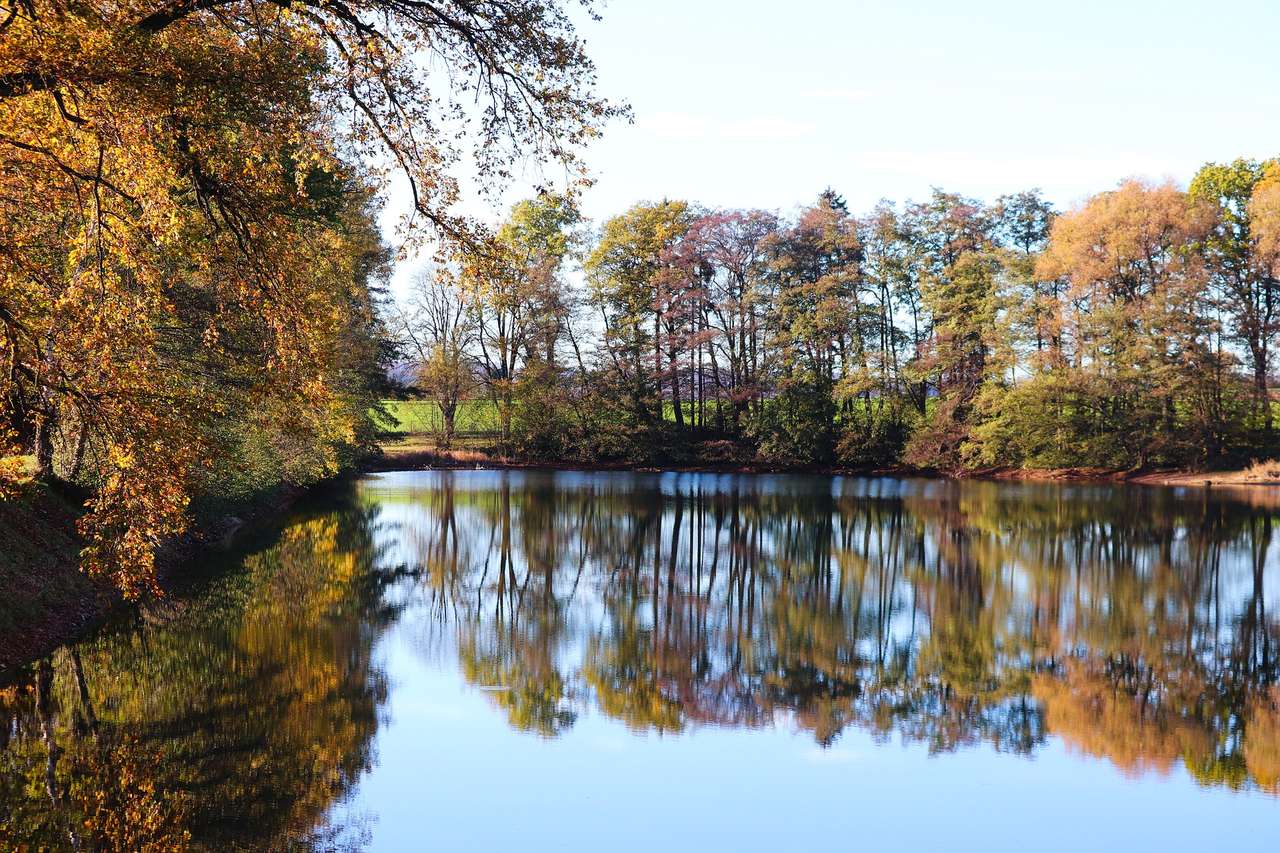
{"type": "Point", "coordinates": [422, 453]}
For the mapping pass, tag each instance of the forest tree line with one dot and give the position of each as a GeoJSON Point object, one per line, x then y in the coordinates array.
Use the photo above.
{"type": "Point", "coordinates": [1137, 329]}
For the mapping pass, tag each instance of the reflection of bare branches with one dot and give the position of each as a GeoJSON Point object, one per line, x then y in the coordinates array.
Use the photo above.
{"type": "Point", "coordinates": [942, 615]}
{"type": "Point", "coordinates": [44, 710]}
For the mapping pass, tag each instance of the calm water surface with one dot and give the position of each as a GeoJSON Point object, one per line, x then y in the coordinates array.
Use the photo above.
{"type": "Point", "coordinates": [559, 661]}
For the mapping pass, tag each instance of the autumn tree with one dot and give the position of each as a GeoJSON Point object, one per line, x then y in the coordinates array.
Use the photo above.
{"type": "Point", "coordinates": [1141, 381]}
{"type": "Point", "coordinates": [815, 265]}
{"type": "Point", "coordinates": [1242, 268]}
{"type": "Point", "coordinates": [516, 291]}
{"type": "Point", "coordinates": [635, 285]}
{"type": "Point", "coordinates": [1020, 224]}
{"type": "Point", "coordinates": [185, 211]}
{"type": "Point", "coordinates": [725, 254]}
{"type": "Point", "coordinates": [438, 327]}
{"type": "Point", "coordinates": [957, 270]}
{"type": "Point", "coordinates": [962, 354]}
{"type": "Point", "coordinates": [879, 405]}
{"type": "Point", "coordinates": [1264, 215]}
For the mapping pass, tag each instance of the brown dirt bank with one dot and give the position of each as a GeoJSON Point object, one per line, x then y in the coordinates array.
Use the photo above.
{"type": "Point", "coordinates": [1236, 477]}
{"type": "Point", "coordinates": [46, 601]}
{"type": "Point", "coordinates": [44, 598]}
{"type": "Point", "coordinates": [422, 455]}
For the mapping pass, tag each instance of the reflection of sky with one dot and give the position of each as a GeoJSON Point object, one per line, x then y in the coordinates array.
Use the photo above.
{"type": "Point", "coordinates": [453, 774]}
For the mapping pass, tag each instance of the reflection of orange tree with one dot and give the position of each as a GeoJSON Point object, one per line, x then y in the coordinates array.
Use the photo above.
{"type": "Point", "coordinates": [1149, 714]}
{"type": "Point", "coordinates": [1157, 666]}
{"type": "Point", "coordinates": [1089, 707]}
{"type": "Point", "coordinates": [1262, 746]}
{"type": "Point", "coordinates": [629, 682]}
{"type": "Point", "coordinates": [953, 615]}
{"type": "Point", "coordinates": [243, 718]}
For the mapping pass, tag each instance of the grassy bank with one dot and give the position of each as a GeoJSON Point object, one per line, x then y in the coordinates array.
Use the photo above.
{"type": "Point", "coordinates": [416, 444]}
{"type": "Point", "coordinates": [422, 417]}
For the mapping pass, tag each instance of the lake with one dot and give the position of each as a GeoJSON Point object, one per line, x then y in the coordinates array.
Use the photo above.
{"type": "Point", "coordinates": [503, 660]}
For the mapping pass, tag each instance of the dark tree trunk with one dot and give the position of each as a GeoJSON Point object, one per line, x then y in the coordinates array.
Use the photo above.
{"type": "Point", "coordinates": [449, 412]}
{"type": "Point", "coordinates": [43, 448]}
{"type": "Point", "coordinates": [675, 387]}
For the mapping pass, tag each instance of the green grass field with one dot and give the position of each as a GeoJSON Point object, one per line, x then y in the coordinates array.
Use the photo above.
{"type": "Point", "coordinates": [475, 417]}
{"type": "Point", "coordinates": [480, 417]}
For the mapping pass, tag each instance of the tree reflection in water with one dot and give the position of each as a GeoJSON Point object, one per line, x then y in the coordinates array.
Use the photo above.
{"type": "Point", "coordinates": [233, 720]}
{"type": "Point", "coordinates": [1132, 624]}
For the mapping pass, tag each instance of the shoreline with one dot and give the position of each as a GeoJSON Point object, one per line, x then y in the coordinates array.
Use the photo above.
{"type": "Point", "coordinates": [55, 604]}
{"type": "Point", "coordinates": [393, 459]}
{"type": "Point", "coordinates": [88, 603]}
{"type": "Point", "coordinates": [48, 600]}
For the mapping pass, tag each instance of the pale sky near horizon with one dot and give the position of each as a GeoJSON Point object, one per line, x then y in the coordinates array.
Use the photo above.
{"type": "Point", "coordinates": [743, 103]}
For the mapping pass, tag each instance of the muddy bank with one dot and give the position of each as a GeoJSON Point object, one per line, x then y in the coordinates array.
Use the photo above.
{"type": "Point", "coordinates": [46, 599]}
{"type": "Point", "coordinates": [48, 602]}
{"type": "Point", "coordinates": [721, 459]}
{"type": "Point", "coordinates": [417, 456]}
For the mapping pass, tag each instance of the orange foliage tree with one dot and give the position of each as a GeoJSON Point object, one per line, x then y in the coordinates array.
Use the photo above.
{"type": "Point", "coordinates": [187, 246]}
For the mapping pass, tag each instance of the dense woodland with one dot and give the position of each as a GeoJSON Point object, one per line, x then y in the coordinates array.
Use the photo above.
{"type": "Point", "coordinates": [1135, 330]}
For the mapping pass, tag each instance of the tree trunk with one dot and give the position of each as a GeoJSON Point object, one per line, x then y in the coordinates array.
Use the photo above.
{"type": "Point", "coordinates": [675, 387]}
{"type": "Point", "coordinates": [448, 412]}
{"type": "Point", "coordinates": [44, 443]}
{"type": "Point", "coordinates": [77, 459]}
{"type": "Point", "coordinates": [1264, 400]}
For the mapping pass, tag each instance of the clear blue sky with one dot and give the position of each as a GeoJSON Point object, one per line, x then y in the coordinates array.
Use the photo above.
{"type": "Point", "coordinates": [752, 104]}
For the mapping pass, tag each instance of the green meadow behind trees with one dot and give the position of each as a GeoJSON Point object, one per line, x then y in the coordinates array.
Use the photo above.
{"type": "Point", "coordinates": [1134, 331]}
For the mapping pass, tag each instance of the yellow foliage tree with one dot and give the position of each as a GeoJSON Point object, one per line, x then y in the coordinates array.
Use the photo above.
{"type": "Point", "coordinates": [186, 226]}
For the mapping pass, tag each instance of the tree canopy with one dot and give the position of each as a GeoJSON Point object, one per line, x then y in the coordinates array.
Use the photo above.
{"type": "Point", "coordinates": [189, 264]}
{"type": "Point", "coordinates": [1135, 330]}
